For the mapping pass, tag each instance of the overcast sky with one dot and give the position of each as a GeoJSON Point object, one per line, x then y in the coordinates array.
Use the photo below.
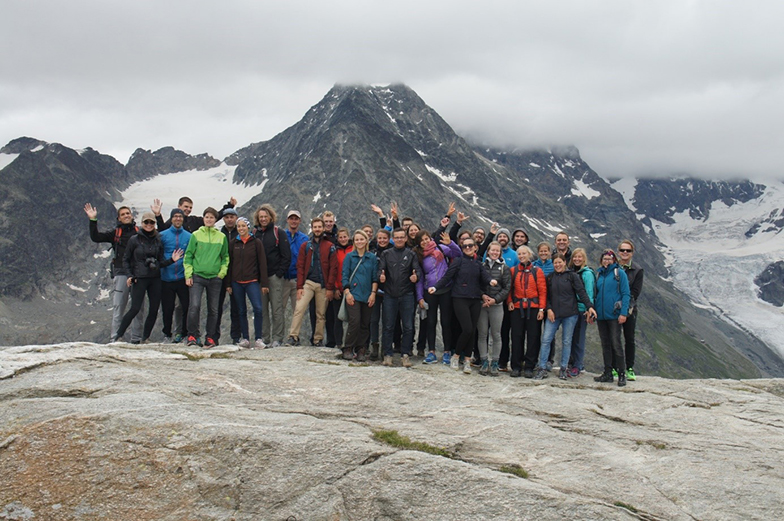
{"type": "Point", "coordinates": [640, 87]}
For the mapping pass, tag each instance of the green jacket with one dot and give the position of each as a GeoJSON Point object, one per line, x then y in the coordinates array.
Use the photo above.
{"type": "Point", "coordinates": [207, 254]}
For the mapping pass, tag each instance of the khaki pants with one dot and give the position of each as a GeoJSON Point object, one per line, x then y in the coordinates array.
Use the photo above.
{"type": "Point", "coordinates": [311, 290]}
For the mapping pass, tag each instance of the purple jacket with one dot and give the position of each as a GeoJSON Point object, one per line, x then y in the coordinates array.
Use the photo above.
{"type": "Point", "coordinates": [435, 270]}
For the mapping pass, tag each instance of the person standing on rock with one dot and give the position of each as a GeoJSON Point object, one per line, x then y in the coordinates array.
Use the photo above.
{"type": "Point", "coordinates": [399, 271]}
{"type": "Point", "coordinates": [229, 229]}
{"type": "Point", "coordinates": [143, 260]}
{"type": "Point", "coordinates": [635, 276]}
{"type": "Point", "coordinates": [247, 276]}
{"type": "Point", "coordinates": [491, 315]}
{"type": "Point", "coordinates": [343, 247]}
{"type": "Point", "coordinates": [174, 288]}
{"type": "Point", "coordinates": [526, 303]}
{"type": "Point", "coordinates": [278, 251]}
{"type": "Point", "coordinates": [564, 287]}
{"type": "Point", "coordinates": [124, 229]}
{"type": "Point", "coordinates": [612, 307]}
{"type": "Point", "coordinates": [468, 278]}
{"type": "Point", "coordinates": [206, 264]}
{"type": "Point", "coordinates": [382, 244]}
{"type": "Point", "coordinates": [296, 240]}
{"type": "Point", "coordinates": [579, 264]}
{"type": "Point", "coordinates": [317, 269]}
{"type": "Point", "coordinates": [360, 283]}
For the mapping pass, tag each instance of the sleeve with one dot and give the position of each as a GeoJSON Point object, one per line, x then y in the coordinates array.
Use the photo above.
{"type": "Point", "coordinates": [623, 285]}
{"type": "Point", "coordinates": [301, 266]}
{"type": "Point", "coordinates": [484, 274]}
{"type": "Point", "coordinates": [382, 264]}
{"type": "Point", "coordinates": [162, 225]}
{"type": "Point", "coordinates": [333, 270]}
{"type": "Point", "coordinates": [224, 255]}
{"type": "Point", "coordinates": [128, 257]}
{"type": "Point", "coordinates": [450, 273]}
{"type": "Point", "coordinates": [589, 282]}
{"type": "Point", "coordinates": [285, 253]}
{"type": "Point", "coordinates": [579, 290]}
{"type": "Point", "coordinates": [454, 231]}
{"type": "Point", "coordinates": [505, 283]}
{"type": "Point", "coordinates": [261, 258]}
{"type": "Point", "coordinates": [547, 304]}
{"type": "Point", "coordinates": [346, 274]}
{"type": "Point", "coordinates": [97, 236]}
{"type": "Point", "coordinates": [225, 207]}
{"type": "Point", "coordinates": [636, 288]}
{"type": "Point", "coordinates": [453, 250]}
{"type": "Point", "coordinates": [227, 280]}
{"type": "Point", "coordinates": [187, 261]}
{"type": "Point", "coordinates": [485, 244]}
{"type": "Point", "coordinates": [420, 283]}
{"type": "Point", "coordinates": [163, 262]}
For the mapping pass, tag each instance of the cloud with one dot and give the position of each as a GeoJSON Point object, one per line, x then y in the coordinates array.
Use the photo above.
{"type": "Point", "coordinates": [639, 87]}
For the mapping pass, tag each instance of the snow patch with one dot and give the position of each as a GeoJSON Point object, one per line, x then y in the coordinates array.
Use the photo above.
{"type": "Point", "coordinates": [317, 197]}
{"type": "Point", "coordinates": [451, 178]}
{"type": "Point", "coordinates": [597, 235]}
{"type": "Point", "coordinates": [582, 189]}
{"type": "Point", "coordinates": [534, 165]}
{"type": "Point", "coordinates": [102, 255]}
{"type": "Point", "coordinates": [37, 149]}
{"type": "Point", "coordinates": [103, 294]}
{"type": "Point", "coordinates": [76, 288]}
{"type": "Point", "coordinates": [627, 187]}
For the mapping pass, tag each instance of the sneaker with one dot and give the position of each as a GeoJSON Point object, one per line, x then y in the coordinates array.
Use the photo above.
{"type": "Point", "coordinates": [494, 368]}
{"type": "Point", "coordinates": [528, 373]}
{"type": "Point", "coordinates": [421, 353]}
{"type": "Point", "coordinates": [274, 344]}
{"type": "Point", "coordinates": [515, 373]}
{"type": "Point", "coordinates": [375, 351]}
{"type": "Point", "coordinates": [447, 358]}
{"type": "Point", "coordinates": [475, 362]}
{"type": "Point", "coordinates": [541, 374]}
{"type": "Point", "coordinates": [167, 340]}
{"type": "Point", "coordinates": [348, 353]}
{"type": "Point", "coordinates": [615, 373]}
{"type": "Point", "coordinates": [320, 343]}
{"type": "Point", "coordinates": [454, 363]}
{"type": "Point", "coordinates": [292, 341]}
{"type": "Point", "coordinates": [244, 343]}
{"type": "Point", "coordinates": [549, 366]}
{"type": "Point", "coordinates": [573, 372]}
{"type": "Point", "coordinates": [387, 361]}
{"type": "Point", "coordinates": [484, 370]}
{"type": "Point", "coordinates": [259, 344]}
{"type": "Point", "coordinates": [605, 377]}
{"type": "Point", "coordinates": [177, 338]}
{"type": "Point", "coordinates": [621, 380]}
{"type": "Point", "coordinates": [406, 361]}
{"type": "Point", "coordinates": [361, 355]}
{"type": "Point", "coordinates": [431, 358]}
{"type": "Point", "coordinates": [192, 340]}
{"type": "Point", "coordinates": [209, 343]}
{"type": "Point", "coordinates": [235, 341]}
{"type": "Point", "coordinates": [467, 367]}
{"type": "Point", "coordinates": [563, 374]}
{"type": "Point", "coordinates": [504, 368]}
{"type": "Point", "coordinates": [630, 374]}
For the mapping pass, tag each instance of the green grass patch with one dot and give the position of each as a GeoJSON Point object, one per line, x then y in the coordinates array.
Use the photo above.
{"type": "Point", "coordinates": [626, 506]}
{"type": "Point", "coordinates": [189, 356]}
{"type": "Point", "coordinates": [229, 354]}
{"type": "Point", "coordinates": [396, 439]}
{"type": "Point", "coordinates": [515, 469]}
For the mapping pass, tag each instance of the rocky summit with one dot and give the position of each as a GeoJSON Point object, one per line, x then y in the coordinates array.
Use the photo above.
{"type": "Point", "coordinates": [159, 432]}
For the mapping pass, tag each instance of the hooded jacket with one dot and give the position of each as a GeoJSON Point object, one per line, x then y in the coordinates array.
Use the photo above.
{"type": "Point", "coordinates": [207, 255]}
{"type": "Point", "coordinates": [433, 269]}
{"type": "Point", "coordinates": [327, 257]}
{"type": "Point", "coordinates": [528, 287]}
{"type": "Point", "coordinates": [276, 246]}
{"type": "Point", "coordinates": [118, 238]}
{"type": "Point", "coordinates": [247, 262]}
{"type": "Point", "coordinates": [143, 258]}
{"type": "Point", "coordinates": [563, 290]}
{"type": "Point", "coordinates": [612, 296]}
{"type": "Point", "coordinates": [174, 239]}
{"type": "Point", "coordinates": [366, 274]}
{"type": "Point", "coordinates": [468, 278]}
{"type": "Point", "coordinates": [499, 271]}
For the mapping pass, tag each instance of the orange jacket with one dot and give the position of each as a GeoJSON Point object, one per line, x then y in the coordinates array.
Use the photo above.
{"type": "Point", "coordinates": [528, 282]}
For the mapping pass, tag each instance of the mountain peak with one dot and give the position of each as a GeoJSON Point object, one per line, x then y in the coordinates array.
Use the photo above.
{"type": "Point", "coordinates": [22, 144]}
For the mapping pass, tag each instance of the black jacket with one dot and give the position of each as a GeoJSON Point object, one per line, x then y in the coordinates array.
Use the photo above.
{"type": "Point", "coordinates": [503, 275]}
{"type": "Point", "coordinates": [118, 238]}
{"type": "Point", "coordinates": [277, 249]}
{"type": "Point", "coordinates": [144, 256]}
{"type": "Point", "coordinates": [562, 292]}
{"type": "Point", "coordinates": [397, 265]}
{"type": "Point", "coordinates": [468, 275]}
{"type": "Point", "coordinates": [635, 276]}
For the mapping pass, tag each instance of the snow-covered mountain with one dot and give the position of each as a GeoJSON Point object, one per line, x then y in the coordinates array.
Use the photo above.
{"type": "Point", "coordinates": [717, 238]}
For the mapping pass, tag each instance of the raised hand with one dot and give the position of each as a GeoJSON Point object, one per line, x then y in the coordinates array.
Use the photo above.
{"type": "Point", "coordinates": [494, 228]}
{"type": "Point", "coordinates": [91, 212]}
{"type": "Point", "coordinates": [378, 211]}
{"type": "Point", "coordinates": [156, 207]}
{"type": "Point", "coordinates": [461, 217]}
{"type": "Point", "coordinates": [393, 210]}
{"type": "Point", "coordinates": [451, 209]}
{"type": "Point", "coordinates": [445, 239]}
{"type": "Point", "coordinates": [233, 201]}
{"type": "Point", "coordinates": [445, 222]}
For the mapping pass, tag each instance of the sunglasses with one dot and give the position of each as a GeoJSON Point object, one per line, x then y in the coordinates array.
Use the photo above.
{"type": "Point", "coordinates": [147, 221]}
{"type": "Point", "coordinates": [623, 250]}
{"type": "Point", "coordinates": [467, 246]}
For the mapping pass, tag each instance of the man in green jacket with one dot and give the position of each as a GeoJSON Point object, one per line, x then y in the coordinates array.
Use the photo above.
{"type": "Point", "coordinates": [206, 263]}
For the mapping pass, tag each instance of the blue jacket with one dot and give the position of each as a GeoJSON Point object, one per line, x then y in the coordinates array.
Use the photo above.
{"type": "Point", "coordinates": [546, 266]}
{"type": "Point", "coordinates": [612, 296]}
{"type": "Point", "coordinates": [509, 256]}
{"type": "Point", "coordinates": [295, 241]}
{"type": "Point", "coordinates": [367, 273]}
{"type": "Point", "coordinates": [173, 239]}
{"type": "Point", "coordinates": [589, 281]}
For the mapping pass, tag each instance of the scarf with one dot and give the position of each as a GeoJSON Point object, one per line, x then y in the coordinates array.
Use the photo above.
{"type": "Point", "coordinates": [435, 251]}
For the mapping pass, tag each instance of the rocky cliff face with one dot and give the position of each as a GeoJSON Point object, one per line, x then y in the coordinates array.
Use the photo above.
{"type": "Point", "coordinates": [771, 284]}
{"type": "Point", "coordinates": [125, 433]}
{"type": "Point", "coordinates": [144, 164]}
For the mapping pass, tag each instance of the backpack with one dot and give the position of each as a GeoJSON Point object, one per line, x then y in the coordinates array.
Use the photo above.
{"type": "Point", "coordinates": [515, 271]}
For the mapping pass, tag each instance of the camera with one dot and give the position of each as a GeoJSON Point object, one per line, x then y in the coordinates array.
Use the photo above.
{"type": "Point", "coordinates": [151, 262]}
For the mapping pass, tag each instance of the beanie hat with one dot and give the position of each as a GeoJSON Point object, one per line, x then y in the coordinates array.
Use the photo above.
{"type": "Point", "coordinates": [175, 212]}
{"type": "Point", "coordinates": [505, 231]}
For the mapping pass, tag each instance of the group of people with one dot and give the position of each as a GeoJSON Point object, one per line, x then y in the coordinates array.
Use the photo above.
{"type": "Point", "coordinates": [497, 301]}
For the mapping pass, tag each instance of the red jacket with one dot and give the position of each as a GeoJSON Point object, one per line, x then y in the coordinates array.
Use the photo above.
{"type": "Point", "coordinates": [341, 253]}
{"type": "Point", "coordinates": [329, 263]}
{"type": "Point", "coordinates": [526, 284]}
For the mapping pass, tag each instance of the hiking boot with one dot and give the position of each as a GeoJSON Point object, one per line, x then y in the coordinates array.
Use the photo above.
{"type": "Point", "coordinates": [431, 358]}
{"type": "Point", "coordinates": [348, 353]}
{"type": "Point", "coordinates": [361, 356]}
{"type": "Point", "coordinates": [605, 377]}
{"type": "Point", "coordinates": [475, 362]}
{"type": "Point", "coordinates": [562, 374]}
{"type": "Point", "coordinates": [374, 351]}
{"type": "Point", "coordinates": [541, 374]}
{"type": "Point", "coordinates": [406, 360]}
{"type": "Point", "coordinates": [494, 368]}
{"type": "Point", "coordinates": [274, 345]}
{"type": "Point", "coordinates": [446, 359]}
{"type": "Point", "coordinates": [259, 344]}
{"type": "Point", "coordinates": [209, 343]}
{"type": "Point", "coordinates": [467, 367]}
{"type": "Point", "coordinates": [167, 340]}
{"type": "Point", "coordinates": [454, 363]}
{"type": "Point", "coordinates": [387, 361]}
{"type": "Point", "coordinates": [549, 366]}
{"type": "Point", "coordinates": [192, 340]}
{"type": "Point", "coordinates": [622, 380]}
{"type": "Point", "coordinates": [244, 343]}
{"type": "Point", "coordinates": [320, 343]}
{"type": "Point", "coordinates": [504, 368]}
{"type": "Point", "coordinates": [177, 338]}
{"type": "Point", "coordinates": [421, 353]}
{"type": "Point", "coordinates": [515, 373]}
{"type": "Point", "coordinates": [292, 341]}
{"type": "Point", "coordinates": [485, 369]}
{"type": "Point", "coordinates": [630, 374]}
{"type": "Point", "coordinates": [528, 373]}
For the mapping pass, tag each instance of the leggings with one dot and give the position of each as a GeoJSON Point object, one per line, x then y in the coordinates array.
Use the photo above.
{"type": "Point", "coordinates": [467, 313]}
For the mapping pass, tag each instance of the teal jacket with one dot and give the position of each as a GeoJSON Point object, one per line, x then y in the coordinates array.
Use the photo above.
{"type": "Point", "coordinates": [589, 281]}
{"type": "Point", "coordinates": [367, 273]}
{"type": "Point", "coordinates": [612, 295]}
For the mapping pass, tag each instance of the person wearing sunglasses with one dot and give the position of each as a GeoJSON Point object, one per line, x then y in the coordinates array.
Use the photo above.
{"type": "Point", "coordinates": [635, 275]}
{"type": "Point", "coordinates": [143, 260]}
{"type": "Point", "coordinates": [612, 308]}
{"type": "Point", "coordinates": [468, 278]}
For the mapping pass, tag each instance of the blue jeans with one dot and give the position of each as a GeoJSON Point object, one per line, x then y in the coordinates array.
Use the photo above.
{"type": "Point", "coordinates": [550, 328]}
{"type": "Point", "coordinates": [578, 343]}
{"type": "Point", "coordinates": [405, 305]}
{"type": "Point", "coordinates": [253, 292]}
